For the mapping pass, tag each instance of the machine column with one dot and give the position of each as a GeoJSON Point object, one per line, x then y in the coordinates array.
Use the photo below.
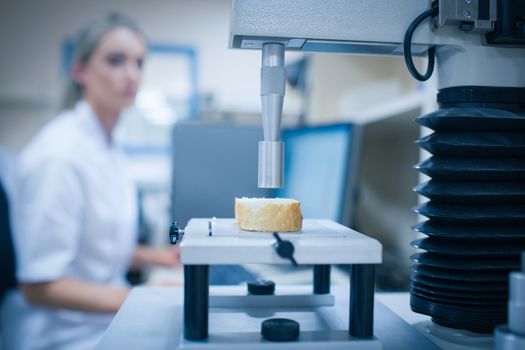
{"type": "Point", "coordinates": [362, 301]}
{"type": "Point", "coordinates": [196, 296]}
{"type": "Point", "coordinates": [321, 279]}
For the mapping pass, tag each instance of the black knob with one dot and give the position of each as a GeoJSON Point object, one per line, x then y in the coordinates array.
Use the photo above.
{"type": "Point", "coordinates": [280, 329]}
{"type": "Point", "coordinates": [175, 233]}
{"type": "Point", "coordinates": [261, 287]}
{"type": "Point", "coordinates": [284, 248]}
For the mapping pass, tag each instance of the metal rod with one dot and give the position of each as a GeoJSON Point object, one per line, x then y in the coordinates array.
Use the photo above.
{"type": "Point", "coordinates": [322, 279]}
{"type": "Point", "coordinates": [196, 296]}
{"type": "Point", "coordinates": [362, 301]}
{"type": "Point", "coordinates": [273, 86]}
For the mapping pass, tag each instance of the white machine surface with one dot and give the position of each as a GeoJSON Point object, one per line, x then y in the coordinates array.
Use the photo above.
{"type": "Point", "coordinates": [220, 241]}
{"type": "Point", "coordinates": [151, 318]}
{"type": "Point", "coordinates": [477, 46]}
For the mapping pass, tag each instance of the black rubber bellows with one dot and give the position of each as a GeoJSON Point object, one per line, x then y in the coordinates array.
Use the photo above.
{"type": "Point", "coordinates": [476, 209]}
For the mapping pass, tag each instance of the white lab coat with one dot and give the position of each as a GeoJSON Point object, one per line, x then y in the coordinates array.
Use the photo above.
{"type": "Point", "coordinates": [76, 217]}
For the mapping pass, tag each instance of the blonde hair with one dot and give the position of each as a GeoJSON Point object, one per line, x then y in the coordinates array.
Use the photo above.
{"type": "Point", "coordinates": [87, 41]}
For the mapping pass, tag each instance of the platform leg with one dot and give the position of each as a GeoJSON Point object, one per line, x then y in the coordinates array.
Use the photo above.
{"type": "Point", "coordinates": [196, 296]}
{"type": "Point", "coordinates": [362, 301]}
{"type": "Point", "coordinates": [322, 279]}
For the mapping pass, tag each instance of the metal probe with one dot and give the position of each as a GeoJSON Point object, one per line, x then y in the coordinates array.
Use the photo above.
{"type": "Point", "coordinates": [271, 150]}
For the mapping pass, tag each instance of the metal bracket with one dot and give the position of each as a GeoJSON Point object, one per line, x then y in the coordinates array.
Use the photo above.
{"type": "Point", "coordinates": [471, 15]}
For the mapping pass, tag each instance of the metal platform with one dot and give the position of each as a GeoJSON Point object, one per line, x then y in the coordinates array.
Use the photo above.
{"type": "Point", "coordinates": [220, 241]}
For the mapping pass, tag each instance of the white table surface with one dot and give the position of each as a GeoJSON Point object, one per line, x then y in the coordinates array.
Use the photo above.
{"type": "Point", "coordinates": [151, 318]}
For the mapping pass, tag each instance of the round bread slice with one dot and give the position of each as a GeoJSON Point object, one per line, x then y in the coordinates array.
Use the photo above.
{"type": "Point", "coordinates": [268, 214]}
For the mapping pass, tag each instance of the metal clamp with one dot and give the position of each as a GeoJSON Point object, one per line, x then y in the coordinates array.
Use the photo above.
{"type": "Point", "coordinates": [176, 234]}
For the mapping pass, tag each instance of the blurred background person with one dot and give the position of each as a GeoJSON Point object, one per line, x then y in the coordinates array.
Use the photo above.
{"type": "Point", "coordinates": [76, 205]}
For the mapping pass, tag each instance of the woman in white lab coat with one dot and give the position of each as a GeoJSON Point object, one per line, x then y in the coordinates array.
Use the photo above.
{"type": "Point", "coordinates": [75, 209]}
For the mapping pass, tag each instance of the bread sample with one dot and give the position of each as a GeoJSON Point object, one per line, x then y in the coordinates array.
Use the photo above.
{"type": "Point", "coordinates": [268, 214]}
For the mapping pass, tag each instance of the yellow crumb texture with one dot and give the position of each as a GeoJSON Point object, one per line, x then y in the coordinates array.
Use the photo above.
{"type": "Point", "coordinates": [269, 217]}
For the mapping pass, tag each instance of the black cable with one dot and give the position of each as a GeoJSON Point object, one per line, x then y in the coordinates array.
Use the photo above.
{"type": "Point", "coordinates": [407, 45]}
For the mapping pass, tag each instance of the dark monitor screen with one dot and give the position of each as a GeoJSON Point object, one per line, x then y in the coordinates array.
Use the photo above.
{"type": "Point", "coordinates": [213, 162]}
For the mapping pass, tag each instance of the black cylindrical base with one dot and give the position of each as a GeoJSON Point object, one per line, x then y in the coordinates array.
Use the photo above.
{"type": "Point", "coordinates": [321, 279]}
{"type": "Point", "coordinates": [196, 293]}
{"type": "Point", "coordinates": [362, 301]}
{"type": "Point", "coordinates": [280, 330]}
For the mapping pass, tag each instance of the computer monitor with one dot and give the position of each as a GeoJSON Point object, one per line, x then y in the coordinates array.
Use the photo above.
{"type": "Point", "coordinates": [321, 169]}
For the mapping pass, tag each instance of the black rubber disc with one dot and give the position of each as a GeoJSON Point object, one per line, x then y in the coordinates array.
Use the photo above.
{"type": "Point", "coordinates": [280, 329]}
{"type": "Point", "coordinates": [261, 287]}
